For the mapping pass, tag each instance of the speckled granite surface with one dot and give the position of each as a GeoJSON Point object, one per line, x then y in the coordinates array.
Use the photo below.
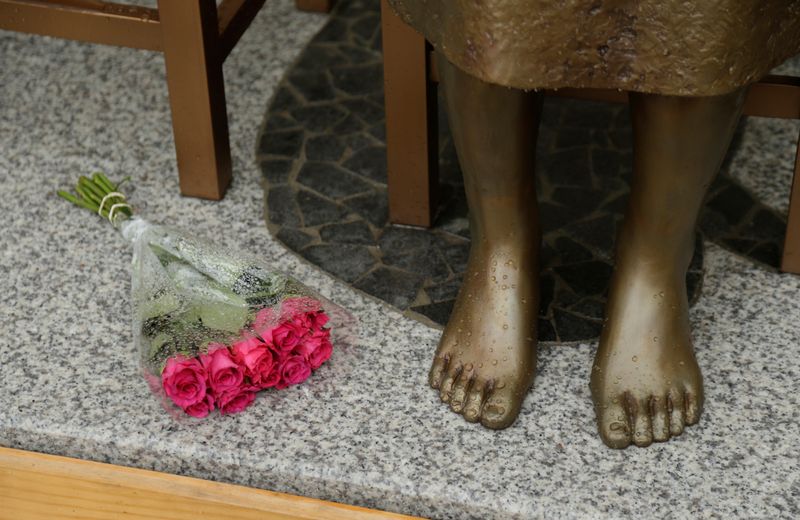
{"type": "Point", "coordinates": [365, 430]}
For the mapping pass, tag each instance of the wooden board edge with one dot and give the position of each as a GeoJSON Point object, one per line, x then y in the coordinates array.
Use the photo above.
{"type": "Point", "coordinates": [112, 477]}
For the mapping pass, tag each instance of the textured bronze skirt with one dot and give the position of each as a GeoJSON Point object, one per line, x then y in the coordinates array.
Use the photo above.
{"type": "Point", "coordinates": [692, 48]}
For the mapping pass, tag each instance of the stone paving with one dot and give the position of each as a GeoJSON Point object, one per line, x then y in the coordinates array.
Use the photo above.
{"type": "Point", "coordinates": [322, 153]}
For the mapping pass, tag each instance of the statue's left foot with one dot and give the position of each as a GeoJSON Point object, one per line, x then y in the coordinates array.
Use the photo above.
{"type": "Point", "coordinates": [646, 384]}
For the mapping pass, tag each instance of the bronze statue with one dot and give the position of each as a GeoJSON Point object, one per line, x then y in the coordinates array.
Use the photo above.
{"type": "Point", "coordinates": [687, 72]}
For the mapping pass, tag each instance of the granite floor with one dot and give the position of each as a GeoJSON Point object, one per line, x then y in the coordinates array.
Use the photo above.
{"type": "Point", "coordinates": [365, 429]}
{"type": "Point", "coordinates": [322, 152]}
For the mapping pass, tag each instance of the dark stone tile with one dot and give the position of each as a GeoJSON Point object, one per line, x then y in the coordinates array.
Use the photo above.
{"type": "Point", "coordinates": [457, 256]}
{"type": "Point", "coordinates": [438, 312]}
{"type": "Point", "coordinates": [276, 171]}
{"type": "Point", "coordinates": [324, 148]}
{"type": "Point", "coordinates": [553, 217]}
{"type": "Point", "coordinates": [567, 168]}
{"type": "Point", "coordinates": [552, 110]}
{"type": "Point", "coordinates": [598, 232]}
{"type": "Point", "coordinates": [317, 210]}
{"type": "Point", "coordinates": [740, 245]}
{"type": "Point", "coordinates": [427, 263]}
{"type": "Point", "coordinates": [315, 56]}
{"type": "Point", "coordinates": [618, 205]}
{"type": "Point", "coordinates": [765, 225]}
{"type": "Point", "coordinates": [365, 27]}
{"type": "Point", "coordinates": [570, 252]}
{"type": "Point", "coordinates": [356, 54]}
{"type": "Point", "coordinates": [694, 284]}
{"type": "Point", "coordinates": [444, 291]}
{"type": "Point", "coordinates": [349, 125]}
{"type": "Point", "coordinates": [395, 238]}
{"type": "Point", "coordinates": [284, 99]}
{"type": "Point", "coordinates": [587, 277]}
{"type": "Point", "coordinates": [572, 138]}
{"type": "Point", "coordinates": [378, 131]}
{"type": "Point", "coordinates": [365, 109]}
{"type": "Point", "coordinates": [586, 199]}
{"type": "Point", "coordinates": [357, 141]}
{"type": "Point", "coordinates": [369, 162]}
{"type": "Point", "coordinates": [348, 262]}
{"type": "Point", "coordinates": [358, 79]}
{"type": "Point", "coordinates": [356, 232]}
{"type": "Point", "coordinates": [733, 203]}
{"type": "Point", "coordinates": [621, 137]}
{"type": "Point", "coordinates": [334, 31]}
{"type": "Point", "coordinates": [330, 180]}
{"type": "Point", "coordinates": [593, 308]}
{"type": "Point", "coordinates": [712, 224]}
{"type": "Point", "coordinates": [546, 331]}
{"type": "Point", "coordinates": [547, 287]}
{"type": "Point", "coordinates": [318, 118]}
{"type": "Point", "coordinates": [286, 143]}
{"type": "Point", "coordinates": [768, 253]}
{"type": "Point", "coordinates": [396, 287]}
{"type": "Point", "coordinates": [313, 86]}
{"type": "Point", "coordinates": [571, 327]}
{"type": "Point", "coordinates": [372, 206]}
{"type": "Point", "coordinates": [606, 162]}
{"type": "Point", "coordinates": [587, 114]}
{"type": "Point", "coordinates": [280, 122]}
{"type": "Point", "coordinates": [294, 238]}
{"type": "Point", "coordinates": [355, 8]}
{"type": "Point", "coordinates": [281, 207]}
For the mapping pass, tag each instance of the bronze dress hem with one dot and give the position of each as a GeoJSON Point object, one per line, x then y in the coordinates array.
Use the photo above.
{"type": "Point", "coordinates": [669, 47]}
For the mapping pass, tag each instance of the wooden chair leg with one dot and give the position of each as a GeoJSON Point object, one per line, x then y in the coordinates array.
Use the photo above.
{"type": "Point", "coordinates": [197, 96]}
{"type": "Point", "coordinates": [791, 247]}
{"type": "Point", "coordinates": [411, 123]}
{"type": "Point", "coordinates": [316, 6]}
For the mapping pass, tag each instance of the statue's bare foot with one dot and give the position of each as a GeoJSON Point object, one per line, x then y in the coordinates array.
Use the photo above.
{"type": "Point", "coordinates": [486, 358]}
{"type": "Point", "coordinates": [645, 382]}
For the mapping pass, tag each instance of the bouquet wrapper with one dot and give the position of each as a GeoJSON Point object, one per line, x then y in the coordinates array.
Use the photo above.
{"type": "Point", "coordinates": [214, 326]}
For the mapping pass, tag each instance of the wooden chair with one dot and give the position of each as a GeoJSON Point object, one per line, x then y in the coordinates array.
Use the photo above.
{"type": "Point", "coordinates": [411, 115]}
{"type": "Point", "coordinates": [195, 36]}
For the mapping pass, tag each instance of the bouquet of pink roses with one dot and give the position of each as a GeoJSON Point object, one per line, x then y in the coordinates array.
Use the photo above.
{"type": "Point", "coordinates": [212, 327]}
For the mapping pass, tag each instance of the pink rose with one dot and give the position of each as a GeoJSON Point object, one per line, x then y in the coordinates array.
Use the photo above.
{"type": "Point", "coordinates": [311, 342]}
{"type": "Point", "coordinates": [256, 358]}
{"type": "Point", "coordinates": [235, 400]}
{"type": "Point", "coordinates": [294, 370]}
{"type": "Point", "coordinates": [321, 354]}
{"type": "Point", "coordinates": [184, 381]}
{"type": "Point", "coordinates": [223, 372]}
{"type": "Point", "coordinates": [201, 408]}
{"type": "Point", "coordinates": [265, 319]}
{"type": "Point", "coordinates": [287, 335]}
{"type": "Point", "coordinates": [318, 319]}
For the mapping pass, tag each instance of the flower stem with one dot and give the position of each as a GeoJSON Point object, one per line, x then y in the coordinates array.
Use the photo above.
{"type": "Point", "coordinates": [91, 192]}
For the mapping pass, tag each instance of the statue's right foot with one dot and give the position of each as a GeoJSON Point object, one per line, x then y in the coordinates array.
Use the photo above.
{"type": "Point", "coordinates": [486, 358]}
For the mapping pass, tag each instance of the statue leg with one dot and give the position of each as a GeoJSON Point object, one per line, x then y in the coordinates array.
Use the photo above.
{"type": "Point", "coordinates": [646, 384]}
{"type": "Point", "coordinates": [486, 359]}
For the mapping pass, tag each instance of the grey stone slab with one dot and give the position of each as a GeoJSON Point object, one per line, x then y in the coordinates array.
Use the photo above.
{"type": "Point", "coordinates": [316, 210]}
{"type": "Point", "coordinates": [374, 207]}
{"type": "Point", "coordinates": [393, 286]}
{"type": "Point", "coordinates": [356, 232]}
{"type": "Point", "coordinates": [287, 143]}
{"type": "Point", "coordinates": [276, 171]}
{"type": "Point", "coordinates": [324, 148]}
{"type": "Point", "coordinates": [331, 180]}
{"type": "Point", "coordinates": [345, 261]}
{"type": "Point", "coordinates": [369, 162]}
